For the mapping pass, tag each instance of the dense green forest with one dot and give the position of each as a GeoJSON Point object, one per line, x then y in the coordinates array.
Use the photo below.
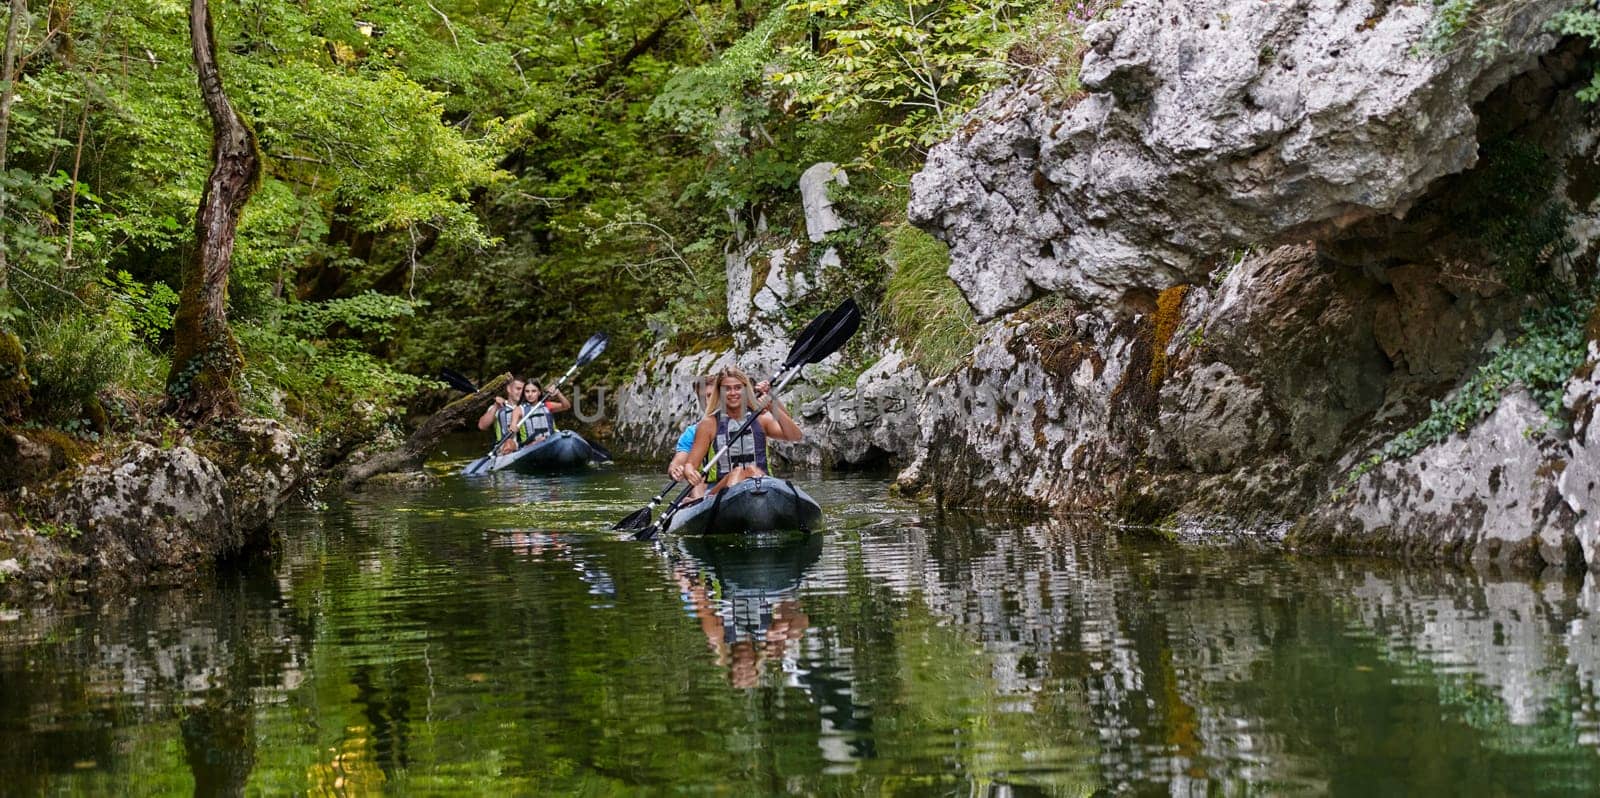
{"type": "Point", "coordinates": [476, 185]}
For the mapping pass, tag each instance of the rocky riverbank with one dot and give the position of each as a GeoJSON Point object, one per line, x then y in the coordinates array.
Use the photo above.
{"type": "Point", "coordinates": [1293, 275]}
{"type": "Point", "coordinates": [155, 512]}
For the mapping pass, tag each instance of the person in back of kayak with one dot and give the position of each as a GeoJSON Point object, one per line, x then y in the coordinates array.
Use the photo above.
{"type": "Point", "coordinates": [533, 417]}
{"type": "Point", "coordinates": [679, 468]}
{"type": "Point", "coordinates": [746, 457]}
{"type": "Point", "coordinates": [500, 416]}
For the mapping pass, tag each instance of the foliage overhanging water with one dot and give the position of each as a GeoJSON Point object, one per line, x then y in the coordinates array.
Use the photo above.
{"type": "Point", "coordinates": [494, 637]}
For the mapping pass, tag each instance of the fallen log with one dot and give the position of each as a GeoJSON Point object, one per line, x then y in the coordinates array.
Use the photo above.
{"type": "Point", "coordinates": [414, 451]}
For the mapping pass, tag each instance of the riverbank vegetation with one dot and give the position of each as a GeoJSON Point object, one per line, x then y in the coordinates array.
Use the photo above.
{"type": "Point", "coordinates": [442, 184]}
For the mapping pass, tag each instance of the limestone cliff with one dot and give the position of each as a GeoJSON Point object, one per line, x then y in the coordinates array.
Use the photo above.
{"type": "Point", "coordinates": [1277, 236]}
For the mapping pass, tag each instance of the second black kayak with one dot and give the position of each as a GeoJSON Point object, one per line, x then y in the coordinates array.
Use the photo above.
{"type": "Point", "coordinates": [564, 451]}
{"type": "Point", "coordinates": [758, 504]}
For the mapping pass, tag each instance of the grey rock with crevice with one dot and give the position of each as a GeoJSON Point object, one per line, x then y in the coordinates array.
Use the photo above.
{"type": "Point", "coordinates": [155, 513]}
{"type": "Point", "coordinates": [1209, 126]}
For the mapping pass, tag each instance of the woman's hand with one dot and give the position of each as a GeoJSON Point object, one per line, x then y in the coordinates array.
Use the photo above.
{"type": "Point", "coordinates": [693, 476]}
{"type": "Point", "coordinates": [764, 398]}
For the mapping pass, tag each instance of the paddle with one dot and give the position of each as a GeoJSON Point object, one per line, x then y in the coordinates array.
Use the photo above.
{"type": "Point", "coordinates": [591, 350]}
{"type": "Point", "coordinates": [640, 518]}
{"type": "Point", "coordinates": [830, 335]}
{"type": "Point", "coordinates": [457, 380]}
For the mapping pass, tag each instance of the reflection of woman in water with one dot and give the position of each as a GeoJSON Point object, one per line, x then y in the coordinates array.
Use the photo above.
{"type": "Point", "coordinates": [744, 631]}
{"type": "Point", "coordinates": [746, 599]}
{"type": "Point", "coordinates": [745, 596]}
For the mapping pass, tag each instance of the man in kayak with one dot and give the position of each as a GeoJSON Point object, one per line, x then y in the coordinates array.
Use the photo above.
{"type": "Point", "coordinates": [731, 402]}
{"type": "Point", "coordinates": [679, 468]}
{"type": "Point", "coordinates": [500, 416]}
{"type": "Point", "coordinates": [532, 418]}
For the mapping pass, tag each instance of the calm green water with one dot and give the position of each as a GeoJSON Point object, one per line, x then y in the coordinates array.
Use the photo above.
{"type": "Point", "coordinates": [495, 638]}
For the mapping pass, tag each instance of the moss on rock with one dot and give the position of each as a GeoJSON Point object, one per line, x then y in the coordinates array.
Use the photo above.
{"type": "Point", "coordinates": [13, 378]}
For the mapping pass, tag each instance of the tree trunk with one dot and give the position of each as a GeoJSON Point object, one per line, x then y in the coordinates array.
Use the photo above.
{"type": "Point", "coordinates": [205, 357]}
{"type": "Point", "coordinates": [416, 449]}
{"type": "Point", "coordinates": [8, 94]}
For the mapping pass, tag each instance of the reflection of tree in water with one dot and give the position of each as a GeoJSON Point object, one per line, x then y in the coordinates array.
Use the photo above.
{"type": "Point", "coordinates": [745, 594]}
{"type": "Point", "coordinates": [382, 694]}
{"type": "Point", "coordinates": [194, 656]}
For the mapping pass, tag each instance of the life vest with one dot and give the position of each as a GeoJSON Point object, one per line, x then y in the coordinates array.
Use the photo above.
{"type": "Point", "coordinates": [749, 449]}
{"type": "Point", "coordinates": [502, 421]}
{"type": "Point", "coordinates": [536, 421]}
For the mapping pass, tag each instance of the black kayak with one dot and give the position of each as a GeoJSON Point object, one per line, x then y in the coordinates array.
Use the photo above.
{"type": "Point", "coordinates": [758, 504]}
{"type": "Point", "coordinates": [564, 451]}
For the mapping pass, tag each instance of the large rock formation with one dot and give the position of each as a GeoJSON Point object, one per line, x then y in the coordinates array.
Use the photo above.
{"type": "Point", "coordinates": [158, 512]}
{"type": "Point", "coordinates": [1209, 126]}
{"type": "Point", "coordinates": [1279, 233]}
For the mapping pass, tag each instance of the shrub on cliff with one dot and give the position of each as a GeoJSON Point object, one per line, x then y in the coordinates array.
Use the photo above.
{"type": "Point", "coordinates": [923, 306]}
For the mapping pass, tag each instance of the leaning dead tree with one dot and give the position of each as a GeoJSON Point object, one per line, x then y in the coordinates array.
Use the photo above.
{"type": "Point", "coordinates": [415, 450]}
{"type": "Point", "coordinates": [205, 357]}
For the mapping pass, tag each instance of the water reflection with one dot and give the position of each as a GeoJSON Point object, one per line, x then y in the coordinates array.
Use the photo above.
{"type": "Point", "coordinates": [198, 661]}
{"type": "Point", "coordinates": [744, 593]}
{"type": "Point", "coordinates": [465, 641]}
{"type": "Point", "coordinates": [562, 547]}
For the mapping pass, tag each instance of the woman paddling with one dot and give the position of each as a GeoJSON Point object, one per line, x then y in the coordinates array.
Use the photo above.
{"type": "Point", "coordinates": [533, 418]}
{"type": "Point", "coordinates": [746, 457]}
{"type": "Point", "coordinates": [501, 416]}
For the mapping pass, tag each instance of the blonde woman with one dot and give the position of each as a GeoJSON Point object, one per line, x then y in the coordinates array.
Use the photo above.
{"type": "Point", "coordinates": [732, 399]}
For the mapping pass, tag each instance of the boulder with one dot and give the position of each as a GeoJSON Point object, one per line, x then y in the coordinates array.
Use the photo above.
{"type": "Point", "coordinates": [1208, 126]}
{"type": "Point", "coordinates": [156, 512]}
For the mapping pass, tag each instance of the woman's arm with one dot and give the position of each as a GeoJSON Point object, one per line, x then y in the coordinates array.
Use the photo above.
{"type": "Point", "coordinates": [778, 425]}
{"type": "Point", "coordinates": [557, 403]}
{"type": "Point", "coordinates": [704, 433]}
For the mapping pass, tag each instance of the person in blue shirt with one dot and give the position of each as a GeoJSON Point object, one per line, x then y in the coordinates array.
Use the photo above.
{"type": "Point", "coordinates": [679, 468]}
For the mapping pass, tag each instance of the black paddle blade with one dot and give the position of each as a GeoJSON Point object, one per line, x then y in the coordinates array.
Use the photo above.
{"type": "Point", "coordinates": [806, 338]}
{"type": "Point", "coordinates": [842, 324]}
{"type": "Point", "coordinates": [649, 532]}
{"type": "Point", "coordinates": [457, 380]}
{"type": "Point", "coordinates": [601, 450]}
{"type": "Point", "coordinates": [592, 348]}
{"type": "Point", "coordinates": [638, 519]}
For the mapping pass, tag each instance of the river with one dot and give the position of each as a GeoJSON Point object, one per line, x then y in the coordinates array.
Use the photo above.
{"type": "Point", "coordinates": [494, 637]}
